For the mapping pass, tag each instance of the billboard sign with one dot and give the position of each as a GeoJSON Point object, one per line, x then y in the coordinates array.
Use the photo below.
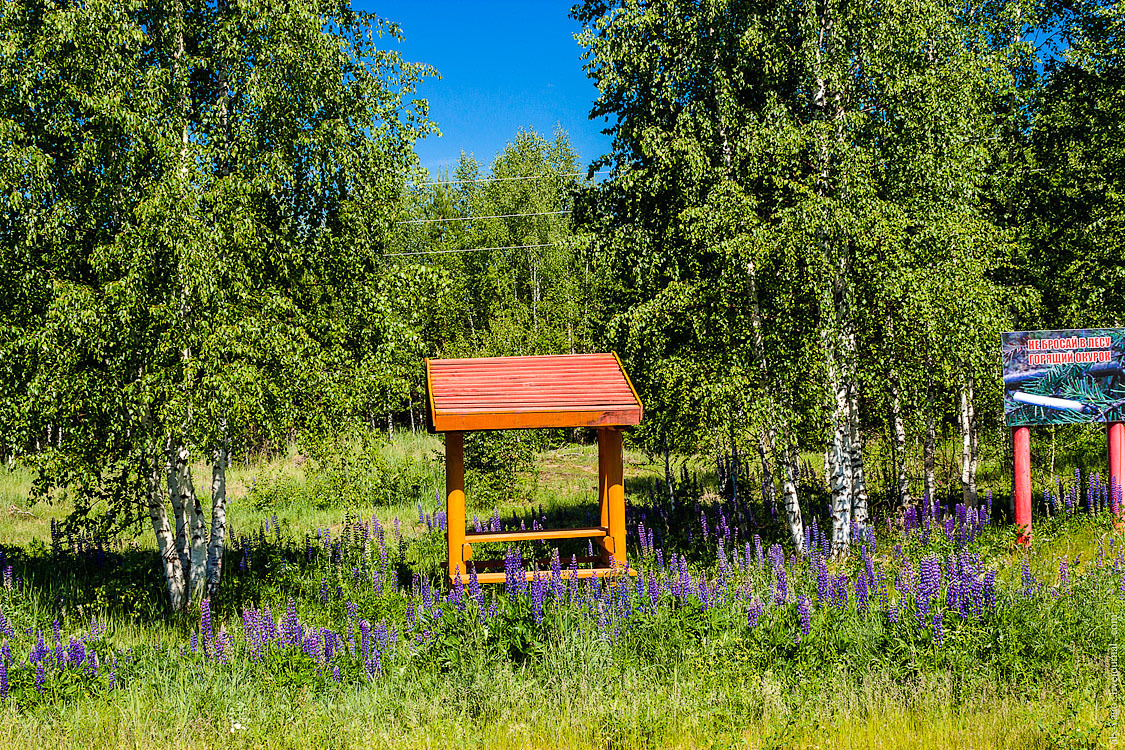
{"type": "Point", "coordinates": [1064, 377]}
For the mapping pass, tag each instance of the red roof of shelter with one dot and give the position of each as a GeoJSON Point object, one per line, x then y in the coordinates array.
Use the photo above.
{"type": "Point", "coordinates": [501, 393]}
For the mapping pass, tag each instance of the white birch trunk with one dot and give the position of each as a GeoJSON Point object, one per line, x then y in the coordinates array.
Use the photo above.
{"type": "Point", "coordinates": [929, 447]}
{"type": "Point", "coordinates": [218, 520]}
{"type": "Point", "coordinates": [974, 440]}
{"type": "Point", "coordinates": [789, 472]}
{"type": "Point", "coordinates": [165, 543]}
{"type": "Point", "coordinates": [197, 527]}
{"type": "Point", "coordinates": [855, 456]}
{"type": "Point", "coordinates": [968, 443]}
{"type": "Point", "coordinates": [837, 463]}
{"type": "Point", "coordinates": [764, 448]}
{"type": "Point", "coordinates": [902, 479]}
{"type": "Point", "coordinates": [174, 469]}
{"type": "Point", "coordinates": [839, 482]}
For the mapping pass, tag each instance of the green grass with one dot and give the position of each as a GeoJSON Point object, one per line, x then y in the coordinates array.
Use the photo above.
{"type": "Point", "coordinates": [1038, 674]}
{"type": "Point", "coordinates": [510, 708]}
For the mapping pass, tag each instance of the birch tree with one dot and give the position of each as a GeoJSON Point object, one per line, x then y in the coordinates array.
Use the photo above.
{"type": "Point", "coordinates": [857, 133]}
{"type": "Point", "coordinates": [195, 227]}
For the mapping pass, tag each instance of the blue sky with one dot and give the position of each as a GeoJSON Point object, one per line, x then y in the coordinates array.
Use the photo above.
{"type": "Point", "coordinates": [504, 66]}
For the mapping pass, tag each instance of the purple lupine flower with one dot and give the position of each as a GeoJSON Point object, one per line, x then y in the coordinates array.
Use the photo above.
{"type": "Point", "coordinates": [754, 613]}
{"type": "Point", "coordinates": [840, 591]}
{"type": "Point", "coordinates": [861, 593]}
{"type": "Point", "coordinates": [939, 636]}
{"type": "Point", "coordinates": [60, 652]}
{"type": "Point", "coordinates": [76, 653]}
{"type": "Point", "coordinates": [930, 575]}
{"type": "Point", "coordinates": [822, 580]}
{"type": "Point", "coordinates": [205, 622]}
{"type": "Point", "coordinates": [222, 647]}
{"type": "Point", "coordinates": [556, 574]}
{"type": "Point", "coordinates": [336, 674]}
{"type": "Point", "coordinates": [457, 594]}
{"type": "Point", "coordinates": [804, 615]}
{"type": "Point", "coordinates": [879, 591]}
{"type": "Point", "coordinates": [40, 676]}
{"type": "Point", "coordinates": [291, 627]}
{"type": "Point", "coordinates": [777, 563]}
{"type": "Point", "coordinates": [538, 594]}
{"type": "Point", "coordinates": [1025, 574]}
{"type": "Point", "coordinates": [511, 570]}
{"type": "Point", "coordinates": [4, 679]}
{"type": "Point", "coordinates": [474, 585]}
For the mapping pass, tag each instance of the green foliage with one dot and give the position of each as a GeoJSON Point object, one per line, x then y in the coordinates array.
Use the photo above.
{"type": "Point", "coordinates": [1074, 211]}
{"type": "Point", "coordinates": [356, 469]}
{"type": "Point", "coordinates": [525, 292]}
{"type": "Point", "coordinates": [496, 461]}
{"type": "Point", "coordinates": [189, 250]}
{"type": "Point", "coordinates": [795, 193]}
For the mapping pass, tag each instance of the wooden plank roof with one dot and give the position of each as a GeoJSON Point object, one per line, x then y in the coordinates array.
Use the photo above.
{"type": "Point", "coordinates": [502, 393]}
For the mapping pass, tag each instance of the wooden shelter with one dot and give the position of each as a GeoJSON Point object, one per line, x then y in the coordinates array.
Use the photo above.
{"type": "Point", "coordinates": [503, 393]}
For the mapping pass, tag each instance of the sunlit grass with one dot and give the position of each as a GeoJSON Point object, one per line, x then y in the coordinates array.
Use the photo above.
{"type": "Point", "coordinates": [577, 692]}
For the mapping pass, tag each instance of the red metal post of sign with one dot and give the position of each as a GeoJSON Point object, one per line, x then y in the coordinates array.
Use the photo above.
{"type": "Point", "coordinates": [1115, 436]}
{"type": "Point", "coordinates": [1021, 481]}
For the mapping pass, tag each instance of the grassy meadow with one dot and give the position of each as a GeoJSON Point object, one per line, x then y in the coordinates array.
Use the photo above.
{"type": "Point", "coordinates": [334, 628]}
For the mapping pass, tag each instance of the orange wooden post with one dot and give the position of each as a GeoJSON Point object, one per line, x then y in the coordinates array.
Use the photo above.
{"type": "Point", "coordinates": [455, 501]}
{"type": "Point", "coordinates": [605, 543]}
{"type": "Point", "coordinates": [615, 493]}
{"type": "Point", "coordinates": [1021, 482]}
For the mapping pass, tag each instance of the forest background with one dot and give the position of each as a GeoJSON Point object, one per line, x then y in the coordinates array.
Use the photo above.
{"type": "Point", "coordinates": [815, 222]}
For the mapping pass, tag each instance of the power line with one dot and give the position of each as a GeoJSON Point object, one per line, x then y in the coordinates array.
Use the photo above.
{"type": "Point", "coordinates": [467, 250]}
{"type": "Point", "coordinates": [470, 218]}
{"type": "Point", "coordinates": [502, 179]}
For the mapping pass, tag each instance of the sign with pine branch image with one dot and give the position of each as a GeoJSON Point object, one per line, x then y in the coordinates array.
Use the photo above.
{"type": "Point", "coordinates": [1064, 377]}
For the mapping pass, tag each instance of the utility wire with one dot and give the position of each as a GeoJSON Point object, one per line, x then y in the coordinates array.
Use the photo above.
{"type": "Point", "coordinates": [502, 179]}
{"type": "Point", "coordinates": [467, 250]}
{"type": "Point", "coordinates": [470, 218]}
